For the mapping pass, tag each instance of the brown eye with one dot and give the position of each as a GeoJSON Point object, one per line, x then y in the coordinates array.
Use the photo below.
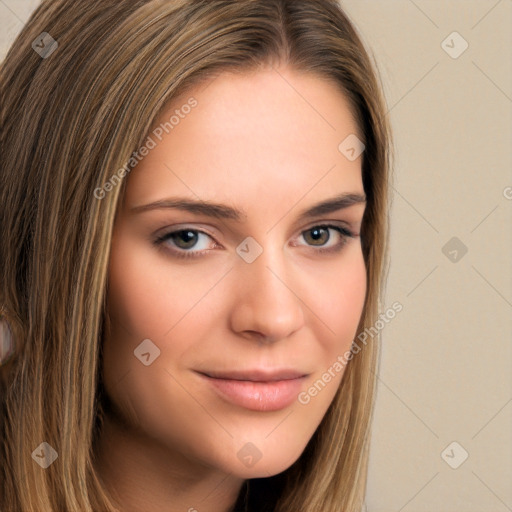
{"type": "Point", "coordinates": [184, 239]}
{"type": "Point", "coordinates": [187, 243]}
{"type": "Point", "coordinates": [317, 236]}
{"type": "Point", "coordinates": [321, 238]}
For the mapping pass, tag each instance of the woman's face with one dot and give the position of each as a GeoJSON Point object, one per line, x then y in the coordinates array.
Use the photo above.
{"type": "Point", "coordinates": [236, 276]}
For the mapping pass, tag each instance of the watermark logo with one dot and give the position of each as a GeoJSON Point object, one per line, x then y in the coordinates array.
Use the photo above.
{"type": "Point", "coordinates": [45, 455]}
{"type": "Point", "coordinates": [44, 45]}
{"type": "Point", "coordinates": [351, 147]}
{"type": "Point", "coordinates": [249, 249]}
{"type": "Point", "coordinates": [249, 455]}
{"type": "Point", "coordinates": [146, 352]}
{"type": "Point", "coordinates": [454, 45]}
{"type": "Point", "coordinates": [454, 455]}
{"type": "Point", "coordinates": [454, 249]}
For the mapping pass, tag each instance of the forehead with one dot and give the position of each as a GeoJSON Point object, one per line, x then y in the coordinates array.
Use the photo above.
{"type": "Point", "coordinates": [265, 135]}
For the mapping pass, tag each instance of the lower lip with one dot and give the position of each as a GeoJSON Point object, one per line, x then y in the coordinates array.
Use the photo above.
{"type": "Point", "coordinates": [258, 396]}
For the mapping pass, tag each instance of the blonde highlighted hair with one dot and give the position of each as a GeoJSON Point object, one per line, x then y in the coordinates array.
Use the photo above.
{"type": "Point", "coordinates": [68, 122]}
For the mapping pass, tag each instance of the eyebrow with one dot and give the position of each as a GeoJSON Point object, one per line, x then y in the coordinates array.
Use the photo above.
{"type": "Point", "coordinates": [222, 211]}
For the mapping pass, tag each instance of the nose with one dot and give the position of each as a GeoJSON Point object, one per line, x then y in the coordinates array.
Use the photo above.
{"type": "Point", "coordinates": [266, 304]}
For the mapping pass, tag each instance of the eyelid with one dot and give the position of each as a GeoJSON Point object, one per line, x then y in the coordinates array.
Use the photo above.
{"type": "Point", "coordinates": [343, 224]}
{"type": "Point", "coordinates": [168, 230]}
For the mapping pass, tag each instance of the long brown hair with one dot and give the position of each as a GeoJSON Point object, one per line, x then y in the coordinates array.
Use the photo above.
{"type": "Point", "coordinates": [69, 119]}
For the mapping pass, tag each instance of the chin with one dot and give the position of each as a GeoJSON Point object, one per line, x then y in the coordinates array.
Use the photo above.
{"type": "Point", "coordinates": [261, 470]}
{"type": "Point", "coordinates": [251, 462]}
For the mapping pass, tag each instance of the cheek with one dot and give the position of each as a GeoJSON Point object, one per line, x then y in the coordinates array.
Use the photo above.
{"type": "Point", "coordinates": [142, 304]}
{"type": "Point", "coordinates": [338, 299]}
{"type": "Point", "coordinates": [350, 296]}
{"type": "Point", "coordinates": [340, 306]}
{"type": "Point", "coordinates": [147, 297]}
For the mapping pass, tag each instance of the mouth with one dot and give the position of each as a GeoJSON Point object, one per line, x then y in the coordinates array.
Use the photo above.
{"type": "Point", "coordinates": [256, 390]}
{"type": "Point", "coordinates": [256, 375]}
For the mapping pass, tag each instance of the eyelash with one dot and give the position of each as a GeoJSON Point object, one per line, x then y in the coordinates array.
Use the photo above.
{"type": "Point", "coordinates": [183, 253]}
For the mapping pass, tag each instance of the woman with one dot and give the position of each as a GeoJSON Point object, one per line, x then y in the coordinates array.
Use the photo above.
{"type": "Point", "coordinates": [194, 211]}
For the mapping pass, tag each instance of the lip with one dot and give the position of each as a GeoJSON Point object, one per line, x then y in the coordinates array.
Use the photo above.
{"type": "Point", "coordinates": [257, 390]}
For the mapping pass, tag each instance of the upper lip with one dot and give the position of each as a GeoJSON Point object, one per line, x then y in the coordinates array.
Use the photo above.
{"type": "Point", "coordinates": [256, 375]}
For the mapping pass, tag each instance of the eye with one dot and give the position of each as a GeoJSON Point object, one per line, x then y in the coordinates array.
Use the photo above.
{"type": "Point", "coordinates": [185, 239]}
{"type": "Point", "coordinates": [186, 242]}
{"type": "Point", "coordinates": [327, 237]}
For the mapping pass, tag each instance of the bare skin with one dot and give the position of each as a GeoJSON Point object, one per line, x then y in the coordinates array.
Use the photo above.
{"type": "Point", "coordinates": [173, 442]}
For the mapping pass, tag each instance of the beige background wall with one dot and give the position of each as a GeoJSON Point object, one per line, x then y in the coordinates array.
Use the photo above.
{"type": "Point", "coordinates": [446, 371]}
